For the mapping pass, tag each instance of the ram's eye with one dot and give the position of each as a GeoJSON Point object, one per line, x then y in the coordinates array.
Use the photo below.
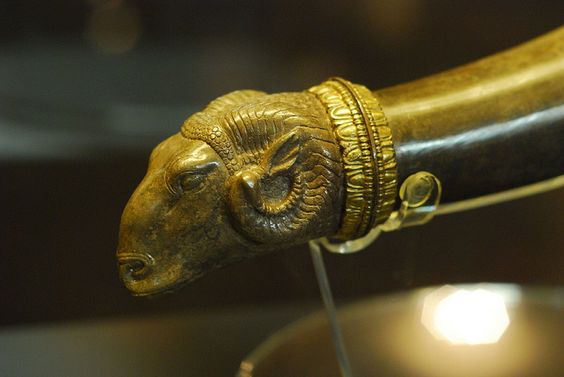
{"type": "Point", "coordinates": [189, 181]}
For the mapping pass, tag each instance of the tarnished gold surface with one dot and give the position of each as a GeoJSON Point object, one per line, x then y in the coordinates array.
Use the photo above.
{"type": "Point", "coordinates": [250, 173]}
{"type": "Point", "coordinates": [368, 155]}
{"type": "Point", "coordinates": [254, 172]}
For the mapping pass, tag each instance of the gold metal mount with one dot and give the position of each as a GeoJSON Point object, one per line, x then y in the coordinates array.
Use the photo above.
{"type": "Point", "coordinates": [362, 132]}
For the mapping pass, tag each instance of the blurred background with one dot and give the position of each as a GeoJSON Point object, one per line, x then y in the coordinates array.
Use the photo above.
{"type": "Point", "coordinates": [87, 88]}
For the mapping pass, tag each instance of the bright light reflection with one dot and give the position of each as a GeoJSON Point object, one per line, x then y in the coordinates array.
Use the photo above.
{"type": "Point", "coordinates": [465, 317]}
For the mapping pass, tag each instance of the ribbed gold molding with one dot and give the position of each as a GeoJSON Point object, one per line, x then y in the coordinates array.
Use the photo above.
{"type": "Point", "coordinates": [362, 131]}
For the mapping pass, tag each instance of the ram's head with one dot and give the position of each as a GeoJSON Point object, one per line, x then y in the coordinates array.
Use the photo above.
{"type": "Point", "coordinates": [250, 173]}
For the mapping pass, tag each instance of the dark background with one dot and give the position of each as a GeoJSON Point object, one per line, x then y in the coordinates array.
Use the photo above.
{"type": "Point", "coordinates": [87, 88]}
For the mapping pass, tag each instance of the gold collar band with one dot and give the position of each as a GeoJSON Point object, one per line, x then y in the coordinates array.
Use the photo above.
{"type": "Point", "coordinates": [365, 139]}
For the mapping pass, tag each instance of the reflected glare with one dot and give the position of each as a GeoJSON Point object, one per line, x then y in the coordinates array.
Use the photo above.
{"type": "Point", "coordinates": [465, 316]}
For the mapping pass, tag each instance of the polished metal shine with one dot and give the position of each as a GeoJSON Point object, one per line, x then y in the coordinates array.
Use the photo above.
{"type": "Point", "coordinates": [255, 172]}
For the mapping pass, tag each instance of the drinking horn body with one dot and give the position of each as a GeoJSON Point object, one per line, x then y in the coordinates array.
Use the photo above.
{"type": "Point", "coordinates": [255, 172]}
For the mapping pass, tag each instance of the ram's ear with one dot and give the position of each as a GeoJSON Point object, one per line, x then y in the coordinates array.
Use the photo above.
{"type": "Point", "coordinates": [283, 154]}
{"type": "Point", "coordinates": [245, 187]}
{"type": "Point", "coordinates": [265, 188]}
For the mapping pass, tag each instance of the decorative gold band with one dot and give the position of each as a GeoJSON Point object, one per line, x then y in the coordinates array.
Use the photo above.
{"type": "Point", "coordinates": [368, 155]}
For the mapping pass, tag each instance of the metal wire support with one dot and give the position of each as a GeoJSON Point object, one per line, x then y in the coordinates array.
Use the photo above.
{"type": "Point", "coordinates": [327, 296]}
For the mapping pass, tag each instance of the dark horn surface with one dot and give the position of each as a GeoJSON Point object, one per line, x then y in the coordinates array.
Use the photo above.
{"type": "Point", "coordinates": [489, 126]}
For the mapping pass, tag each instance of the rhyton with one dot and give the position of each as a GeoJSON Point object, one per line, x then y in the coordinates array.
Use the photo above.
{"type": "Point", "coordinates": [256, 172]}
